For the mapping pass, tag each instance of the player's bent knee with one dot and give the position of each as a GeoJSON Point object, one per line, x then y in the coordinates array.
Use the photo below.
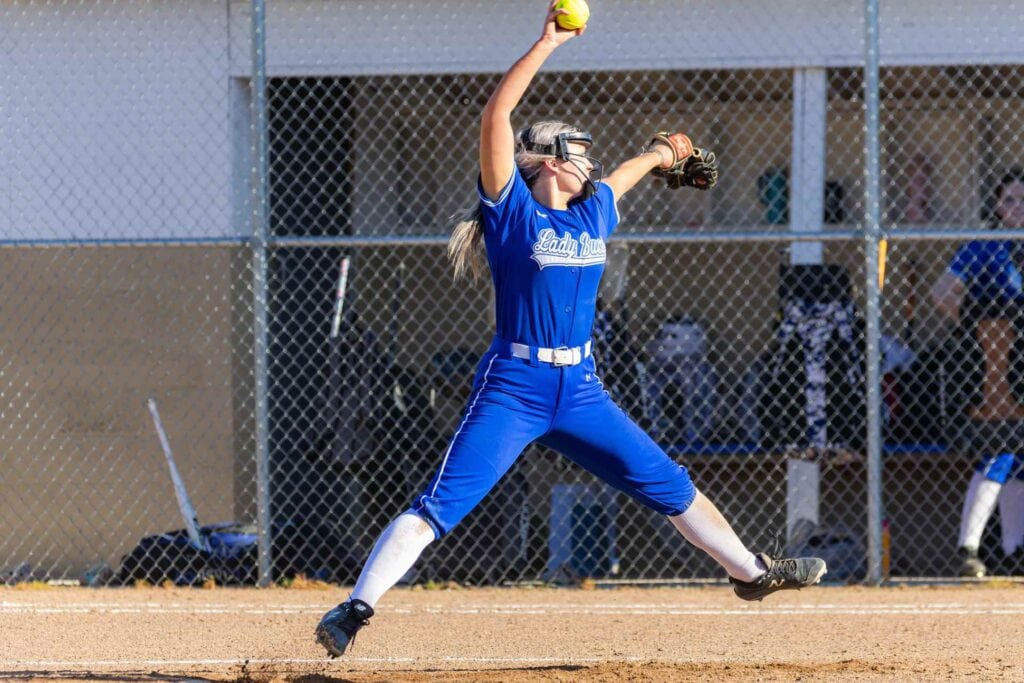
{"type": "Point", "coordinates": [686, 502]}
{"type": "Point", "coordinates": [411, 525]}
{"type": "Point", "coordinates": [669, 498]}
{"type": "Point", "coordinates": [430, 525]}
{"type": "Point", "coordinates": [689, 501]}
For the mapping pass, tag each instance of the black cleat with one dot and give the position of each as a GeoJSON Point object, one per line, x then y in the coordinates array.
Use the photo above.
{"type": "Point", "coordinates": [338, 628]}
{"type": "Point", "coordinates": [970, 566]}
{"type": "Point", "coordinates": [783, 574]}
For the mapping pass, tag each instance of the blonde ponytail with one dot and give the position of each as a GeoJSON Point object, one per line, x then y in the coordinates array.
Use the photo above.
{"type": "Point", "coordinates": [464, 245]}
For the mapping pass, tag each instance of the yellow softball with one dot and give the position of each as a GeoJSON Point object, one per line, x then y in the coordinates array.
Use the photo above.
{"type": "Point", "coordinates": [577, 17]}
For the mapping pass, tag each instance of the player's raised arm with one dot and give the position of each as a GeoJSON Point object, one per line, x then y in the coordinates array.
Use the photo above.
{"type": "Point", "coordinates": [630, 172]}
{"type": "Point", "coordinates": [497, 143]}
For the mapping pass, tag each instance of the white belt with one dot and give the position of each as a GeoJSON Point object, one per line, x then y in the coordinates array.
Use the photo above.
{"type": "Point", "coordinates": [563, 355]}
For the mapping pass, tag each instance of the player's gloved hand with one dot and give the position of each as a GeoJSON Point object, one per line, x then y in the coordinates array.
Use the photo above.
{"type": "Point", "coordinates": [688, 166]}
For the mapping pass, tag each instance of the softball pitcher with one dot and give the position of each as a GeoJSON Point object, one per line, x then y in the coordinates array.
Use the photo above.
{"type": "Point", "coordinates": [544, 214]}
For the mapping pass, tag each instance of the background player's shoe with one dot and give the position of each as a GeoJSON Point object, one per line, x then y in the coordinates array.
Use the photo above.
{"type": "Point", "coordinates": [783, 574]}
{"type": "Point", "coordinates": [339, 626]}
{"type": "Point", "coordinates": [970, 566]}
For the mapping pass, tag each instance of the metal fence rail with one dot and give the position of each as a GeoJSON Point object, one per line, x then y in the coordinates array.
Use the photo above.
{"type": "Point", "coordinates": [187, 182]}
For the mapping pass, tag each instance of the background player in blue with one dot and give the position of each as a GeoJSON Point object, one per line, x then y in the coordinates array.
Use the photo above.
{"type": "Point", "coordinates": [982, 291]}
{"type": "Point", "coordinates": [544, 214]}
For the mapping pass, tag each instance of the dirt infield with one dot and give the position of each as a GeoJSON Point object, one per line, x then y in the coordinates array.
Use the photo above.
{"type": "Point", "coordinates": [518, 634]}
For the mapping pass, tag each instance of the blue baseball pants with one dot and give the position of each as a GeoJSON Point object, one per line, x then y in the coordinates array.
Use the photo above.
{"type": "Point", "coordinates": [516, 401]}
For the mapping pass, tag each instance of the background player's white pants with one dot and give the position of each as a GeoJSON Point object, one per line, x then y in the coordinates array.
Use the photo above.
{"type": "Point", "coordinates": [979, 504]}
{"type": "Point", "coordinates": [982, 496]}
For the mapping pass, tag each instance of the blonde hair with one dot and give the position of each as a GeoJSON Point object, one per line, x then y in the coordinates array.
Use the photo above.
{"type": "Point", "coordinates": [464, 251]}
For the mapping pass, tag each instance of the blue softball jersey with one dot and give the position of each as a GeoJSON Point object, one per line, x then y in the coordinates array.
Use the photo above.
{"type": "Point", "coordinates": [546, 264]}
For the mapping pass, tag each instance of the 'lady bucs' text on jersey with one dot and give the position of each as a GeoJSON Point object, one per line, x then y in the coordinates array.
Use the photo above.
{"type": "Point", "coordinates": [546, 264]}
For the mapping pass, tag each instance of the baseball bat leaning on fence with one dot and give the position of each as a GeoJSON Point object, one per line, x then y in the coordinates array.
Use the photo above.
{"type": "Point", "coordinates": [332, 408]}
{"type": "Point", "coordinates": [188, 511]}
{"type": "Point", "coordinates": [339, 300]}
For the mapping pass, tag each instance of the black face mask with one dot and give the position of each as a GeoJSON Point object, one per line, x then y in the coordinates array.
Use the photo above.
{"type": "Point", "coordinates": [560, 150]}
{"type": "Point", "coordinates": [592, 178]}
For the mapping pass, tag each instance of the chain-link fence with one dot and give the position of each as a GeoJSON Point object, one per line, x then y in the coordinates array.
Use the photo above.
{"type": "Point", "coordinates": [240, 210]}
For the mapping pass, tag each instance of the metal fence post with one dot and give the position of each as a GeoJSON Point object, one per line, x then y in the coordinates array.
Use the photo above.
{"type": "Point", "coordinates": [872, 235]}
{"type": "Point", "coordinates": [259, 282]}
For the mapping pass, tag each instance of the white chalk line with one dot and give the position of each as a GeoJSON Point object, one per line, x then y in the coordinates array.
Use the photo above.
{"type": "Point", "coordinates": [528, 609]}
{"type": "Point", "coordinates": [235, 607]}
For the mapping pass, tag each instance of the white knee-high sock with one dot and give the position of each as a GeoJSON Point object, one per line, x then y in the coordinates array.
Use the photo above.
{"type": "Point", "coordinates": [395, 552]}
{"type": "Point", "coordinates": [1011, 515]}
{"type": "Point", "coordinates": [705, 527]}
{"type": "Point", "coordinates": [979, 504]}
